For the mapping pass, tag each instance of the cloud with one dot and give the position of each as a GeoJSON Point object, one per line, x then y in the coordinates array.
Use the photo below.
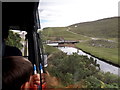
{"type": "Point", "coordinates": [55, 13]}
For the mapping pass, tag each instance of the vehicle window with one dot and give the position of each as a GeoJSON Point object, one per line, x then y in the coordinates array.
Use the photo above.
{"type": "Point", "coordinates": [16, 38]}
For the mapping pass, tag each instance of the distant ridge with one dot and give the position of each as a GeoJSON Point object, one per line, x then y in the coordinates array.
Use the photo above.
{"type": "Point", "coordinates": [103, 28]}
{"type": "Point", "coordinates": [117, 17]}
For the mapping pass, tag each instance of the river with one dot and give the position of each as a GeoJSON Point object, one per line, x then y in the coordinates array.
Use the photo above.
{"type": "Point", "coordinates": [105, 67]}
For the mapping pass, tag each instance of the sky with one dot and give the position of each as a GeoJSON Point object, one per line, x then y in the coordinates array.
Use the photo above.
{"type": "Point", "coordinates": [61, 13]}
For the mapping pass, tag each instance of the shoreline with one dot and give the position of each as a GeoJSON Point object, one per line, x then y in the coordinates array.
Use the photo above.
{"type": "Point", "coordinates": [109, 62]}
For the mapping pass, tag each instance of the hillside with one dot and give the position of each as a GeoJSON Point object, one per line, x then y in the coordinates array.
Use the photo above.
{"type": "Point", "coordinates": [104, 28]}
{"type": "Point", "coordinates": [99, 38]}
{"type": "Point", "coordinates": [58, 33]}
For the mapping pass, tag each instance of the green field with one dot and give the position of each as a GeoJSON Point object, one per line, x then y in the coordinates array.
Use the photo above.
{"type": "Point", "coordinates": [50, 50]}
{"type": "Point", "coordinates": [57, 33]}
{"type": "Point", "coordinates": [109, 54]}
{"type": "Point", "coordinates": [99, 38]}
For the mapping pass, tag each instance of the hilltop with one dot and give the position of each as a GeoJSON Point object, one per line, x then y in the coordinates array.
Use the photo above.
{"type": "Point", "coordinates": [104, 28]}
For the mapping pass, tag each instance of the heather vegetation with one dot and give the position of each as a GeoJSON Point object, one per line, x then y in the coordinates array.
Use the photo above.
{"type": "Point", "coordinates": [77, 71]}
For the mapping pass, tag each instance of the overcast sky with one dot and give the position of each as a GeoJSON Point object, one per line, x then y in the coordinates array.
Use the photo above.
{"type": "Point", "coordinates": [58, 13]}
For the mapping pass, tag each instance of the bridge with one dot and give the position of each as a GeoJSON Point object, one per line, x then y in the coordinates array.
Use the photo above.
{"type": "Point", "coordinates": [62, 42]}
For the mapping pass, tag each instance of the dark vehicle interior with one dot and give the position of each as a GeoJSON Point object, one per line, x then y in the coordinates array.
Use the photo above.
{"type": "Point", "coordinates": [24, 16]}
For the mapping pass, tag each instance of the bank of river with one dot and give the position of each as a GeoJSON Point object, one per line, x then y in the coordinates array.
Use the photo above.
{"type": "Point", "coordinates": [104, 66]}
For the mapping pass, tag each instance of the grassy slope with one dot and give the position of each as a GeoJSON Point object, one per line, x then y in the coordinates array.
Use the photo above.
{"type": "Point", "coordinates": [109, 54]}
{"type": "Point", "coordinates": [50, 50]}
{"type": "Point", "coordinates": [102, 29]}
{"type": "Point", "coordinates": [105, 28]}
{"type": "Point", "coordinates": [60, 32]}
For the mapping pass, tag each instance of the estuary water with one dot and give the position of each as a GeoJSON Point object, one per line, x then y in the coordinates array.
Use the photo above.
{"type": "Point", "coordinates": [105, 67]}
